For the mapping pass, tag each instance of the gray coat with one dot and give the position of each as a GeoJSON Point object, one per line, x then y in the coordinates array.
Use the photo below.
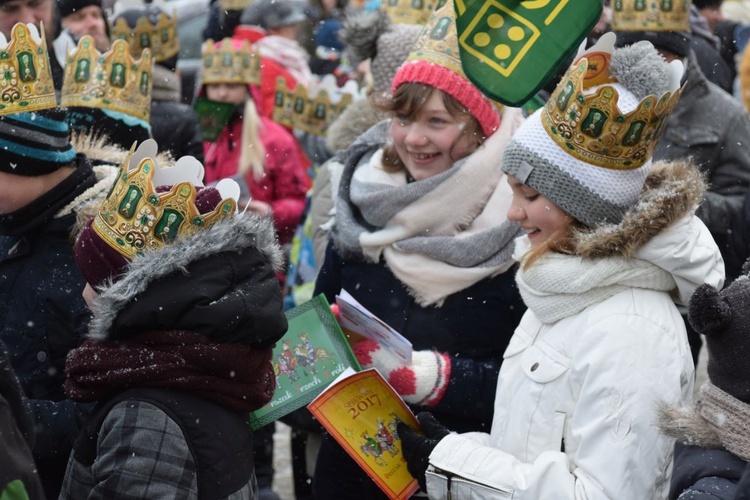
{"type": "Point", "coordinates": [714, 129]}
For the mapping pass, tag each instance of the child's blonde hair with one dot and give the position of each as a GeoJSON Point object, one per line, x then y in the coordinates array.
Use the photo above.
{"type": "Point", "coordinates": [252, 154]}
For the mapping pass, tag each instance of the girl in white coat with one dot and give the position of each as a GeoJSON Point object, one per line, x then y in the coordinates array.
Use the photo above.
{"type": "Point", "coordinates": [611, 243]}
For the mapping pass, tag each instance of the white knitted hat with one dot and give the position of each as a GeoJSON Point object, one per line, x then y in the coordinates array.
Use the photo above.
{"type": "Point", "coordinates": [594, 169]}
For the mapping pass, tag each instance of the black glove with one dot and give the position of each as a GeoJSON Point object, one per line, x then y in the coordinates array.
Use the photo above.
{"type": "Point", "coordinates": [417, 448]}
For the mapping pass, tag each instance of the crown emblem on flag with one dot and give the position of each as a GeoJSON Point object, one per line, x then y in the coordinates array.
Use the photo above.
{"type": "Point", "coordinates": [161, 38]}
{"type": "Point", "coordinates": [590, 126]}
{"type": "Point", "coordinates": [651, 15]}
{"type": "Point", "coordinates": [25, 74]}
{"type": "Point", "coordinates": [135, 217]}
{"type": "Point", "coordinates": [112, 81]}
{"type": "Point", "coordinates": [408, 11]}
{"type": "Point", "coordinates": [226, 63]}
{"type": "Point", "coordinates": [313, 109]}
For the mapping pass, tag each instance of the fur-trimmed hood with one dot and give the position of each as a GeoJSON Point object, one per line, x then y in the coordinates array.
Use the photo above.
{"type": "Point", "coordinates": [661, 229]}
{"type": "Point", "coordinates": [215, 280]}
{"type": "Point", "coordinates": [356, 119]}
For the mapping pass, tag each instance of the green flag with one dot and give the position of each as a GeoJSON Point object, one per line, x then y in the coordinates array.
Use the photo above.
{"type": "Point", "coordinates": [510, 48]}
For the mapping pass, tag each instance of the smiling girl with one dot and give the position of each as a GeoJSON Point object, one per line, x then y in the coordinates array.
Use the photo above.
{"type": "Point", "coordinates": [420, 239]}
{"type": "Point", "coordinates": [611, 243]}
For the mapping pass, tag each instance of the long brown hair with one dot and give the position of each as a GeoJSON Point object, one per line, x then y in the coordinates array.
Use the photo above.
{"type": "Point", "coordinates": [408, 100]}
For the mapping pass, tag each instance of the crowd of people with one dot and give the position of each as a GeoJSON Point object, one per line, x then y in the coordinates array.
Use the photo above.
{"type": "Point", "coordinates": [557, 266]}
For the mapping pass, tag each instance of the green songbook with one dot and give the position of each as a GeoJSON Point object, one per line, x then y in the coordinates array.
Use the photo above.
{"type": "Point", "coordinates": [212, 117]}
{"type": "Point", "coordinates": [310, 355]}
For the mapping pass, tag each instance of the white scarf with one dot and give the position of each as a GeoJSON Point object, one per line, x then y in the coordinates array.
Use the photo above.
{"type": "Point", "coordinates": [288, 53]}
{"type": "Point", "coordinates": [556, 286]}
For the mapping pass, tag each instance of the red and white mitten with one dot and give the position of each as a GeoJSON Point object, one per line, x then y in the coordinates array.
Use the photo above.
{"type": "Point", "coordinates": [423, 383]}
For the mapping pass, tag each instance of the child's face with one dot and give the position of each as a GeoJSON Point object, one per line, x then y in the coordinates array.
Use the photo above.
{"type": "Point", "coordinates": [234, 93]}
{"type": "Point", "coordinates": [430, 142]}
{"type": "Point", "coordinates": [539, 217]}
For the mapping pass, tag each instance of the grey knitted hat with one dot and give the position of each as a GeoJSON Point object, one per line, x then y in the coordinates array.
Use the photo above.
{"type": "Point", "coordinates": [592, 192]}
{"type": "Point", "coordinates": [371, 35]}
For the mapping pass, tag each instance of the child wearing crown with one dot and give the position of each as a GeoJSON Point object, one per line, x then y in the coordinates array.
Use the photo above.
{"type": "Point", "coordinates": [186, 308]}
{"type": "Point", "coordinates": [252, 148]}
{"type": "Point", "coordinates": [420, 240]}
{"type": "Point", "coordinates": [612, 241]}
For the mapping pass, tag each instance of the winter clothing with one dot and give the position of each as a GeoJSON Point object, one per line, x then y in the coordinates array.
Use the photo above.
{"type": "Point", "coordinates": [35, 143]}
{"type": "Point", "coordinates": [174, 125]}
{"type": "Point", "coordinates": [18, 473]}
{"type": "Point", "coordinates": [709, 126]}
{"type": "Point", "coordinates": [198, 371]}
{"type": "Point", "coordinates": [67, 7]}
{"type": "Point", "coordinates": [287, 53]}
{"type": "Point", "coordinates": [393, 269]}
{"type": "Point", "coordinates": [270, 14]}
{"type": "Point", "coordinates": [417, 448]}
{"type": "Point", "coordinates": [285, 182]}
{"type": "Point", "coordinates": [705, 474]}
{"type": "Point", "coordinates": [43, 313]}
{"type": "Point", "coordinates": [579, 386]}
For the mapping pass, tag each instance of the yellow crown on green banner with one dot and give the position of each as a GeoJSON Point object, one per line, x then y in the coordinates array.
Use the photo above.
{"type": "Point", "coordinates": [589, 125]}
{"type": "Point", "coordinates": [25, 75]}
{"type": "Point", "coordinates": [134, 217]}
{"type": "Point", "coordinates": [313, 109]}
{"type": "Point", "coordinates": [161, 38]}
{"type": "Point", "coordinates": [112, 81]}
{"type": "Point", "coordinates": [230, 61]}
{"type": "Point", "coordinates": [651, 15]}
{"type": "Point", "coordinates": [408, 11]}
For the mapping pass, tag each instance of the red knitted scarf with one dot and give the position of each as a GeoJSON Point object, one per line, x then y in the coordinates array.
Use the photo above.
{"type": "Point", "coordinates": [239, 377]}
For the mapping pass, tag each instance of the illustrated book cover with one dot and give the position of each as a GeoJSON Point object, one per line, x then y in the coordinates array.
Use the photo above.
{"type": "Point", "coordinates": [310, 355]}
{"type": "Point", "coordinates": [361, 411]}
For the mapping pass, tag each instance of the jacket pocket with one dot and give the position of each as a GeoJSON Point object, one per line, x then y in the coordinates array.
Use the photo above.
{"type": "Point", "coordinates": [542, 366]}
{"type": "Point", "coordinates": [457, 487]}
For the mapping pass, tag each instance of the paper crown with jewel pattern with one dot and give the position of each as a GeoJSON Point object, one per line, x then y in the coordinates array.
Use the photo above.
{"type": "Point", "coordinates": [25, 74]}
{"type": "Point", "coordinates": [408, 11]}
{"type": "Point", "coordinates": [651, 15]}
{"type": "Point", "coordinates": [313, 109]}
{"type": "Point", "coordinates": [588, 124]}
{"type": "Point", "coordinates": [230, 61]}
{"type": "Point", "coordinates": [161, 38]}
{"type": "Point", "coordinates": [111, 81]}
{"type": "Point", "coordinates": [135, 217]}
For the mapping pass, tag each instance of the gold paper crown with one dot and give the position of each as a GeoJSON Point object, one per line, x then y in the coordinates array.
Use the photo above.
{"type": "Point", "coordinates": [112, 80]}
{"type": "Point", "coordinates": [26, 81]}
{"type": "Point", "coordinates": [161, 38]}
{"type": "Point", "coordinates": [234, 4]}
{"type": "Point", "coordinates": [313, 109]}
{"type": "Point", "coordinates": [651, 15]}
{"type": "Point", "coordinates": [135, 218]}
{"type": "Point", "coordinates": [408, 11]}
{"type": "Point", "coordinates": [225, 63]}
{"type": "Point", "coordinates": [438, 41]}
{"type": "Point", "coordinates": [590, 126]}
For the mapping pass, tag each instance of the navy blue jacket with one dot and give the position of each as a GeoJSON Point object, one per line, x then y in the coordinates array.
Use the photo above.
{"type": "Point", "coordinates": [703, 474]}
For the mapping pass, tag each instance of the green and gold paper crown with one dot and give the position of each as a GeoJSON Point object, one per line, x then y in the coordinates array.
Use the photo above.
{"type": "Point", "coordinates": [408, 11]}
{"type": "Point", "coordinates": [234, 4]}
{"type": "Point", "coordinates": [590, 126]}
{"type": "Point", "coordinates": [112, 81]}
{"type": "Point", "coordinates": [161, 38]}
{"type": "Point", "coordinates": [26, 79]}
{"type": "Point", "coordinates": [313, 109]}
{"type": "Point", "coordinates": [134, 217]}
{"type": "Point", "coordinates": [225, 63]}
{"type": "Point", "coordinates": [651, 15]}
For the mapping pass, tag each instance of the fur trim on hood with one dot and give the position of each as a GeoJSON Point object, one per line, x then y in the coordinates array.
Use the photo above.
{"type": "Point", "coordinates": [99, 150]}
{"type": "Point", "coordinates": [232, 234]}
{"type": "Point", "coordinates": [672, 191]}
{"type": "Point", "coordinates": [687, 426]}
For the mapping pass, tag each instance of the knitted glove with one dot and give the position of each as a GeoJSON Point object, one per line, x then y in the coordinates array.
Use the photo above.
{"type": "Point", "coordinates": [423, 383]}
{"type": "Point", "coordinates": [417, 448]}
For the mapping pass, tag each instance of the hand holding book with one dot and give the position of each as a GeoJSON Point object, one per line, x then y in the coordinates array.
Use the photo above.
{"type": "Point", "coordinates": [422, 383]}
{"type": "Point", "coordinates": [417, 447]}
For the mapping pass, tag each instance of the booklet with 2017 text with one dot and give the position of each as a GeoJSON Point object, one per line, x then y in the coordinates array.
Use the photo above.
{"type": "Point", "coordinates": [361, 411]}
{"type": "Point", "coordinates": [310, 355]}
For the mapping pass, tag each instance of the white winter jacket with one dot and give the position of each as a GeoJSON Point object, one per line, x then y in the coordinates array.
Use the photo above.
{"type": "Point", "coordinates": [575, 408]}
